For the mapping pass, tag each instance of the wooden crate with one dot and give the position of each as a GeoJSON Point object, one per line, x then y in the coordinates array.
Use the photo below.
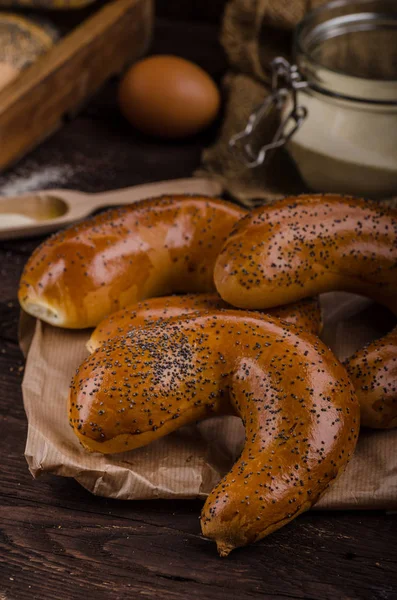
{"type": "Point", "coordinates": [34, 105]}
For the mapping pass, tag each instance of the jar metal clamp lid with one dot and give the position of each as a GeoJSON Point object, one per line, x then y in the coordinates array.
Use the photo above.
{"type": "Point", "coordinates": [286, 81]}
{"type": "Point", "coordinates": [344, 51]}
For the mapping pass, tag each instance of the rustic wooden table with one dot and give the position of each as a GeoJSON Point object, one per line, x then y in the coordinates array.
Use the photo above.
{"type": "Point", "coordinates": [59, 542]}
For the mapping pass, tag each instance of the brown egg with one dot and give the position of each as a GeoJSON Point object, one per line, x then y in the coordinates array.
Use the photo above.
{"type": "Point", "coordinates": [169, 97]}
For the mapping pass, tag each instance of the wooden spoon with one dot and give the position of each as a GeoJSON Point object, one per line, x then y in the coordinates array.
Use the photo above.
{"type": "Point", "coordinates": [48, 210]}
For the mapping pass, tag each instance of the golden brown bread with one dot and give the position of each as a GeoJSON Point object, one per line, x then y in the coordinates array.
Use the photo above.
{"type": "Point", "coordinates": [296, 401]}
{"type": "Point", "coordinates": [373, 372]}
{"type": "Point", "coordinates": [302, 246]}
{"type": "Point", "coordinates": [306, 314]}
{"type": "Point", "coordinates": [152, 248]}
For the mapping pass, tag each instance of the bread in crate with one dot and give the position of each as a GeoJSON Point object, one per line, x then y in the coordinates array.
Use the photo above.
{"type": "Point", "coordinates": [22, 41]}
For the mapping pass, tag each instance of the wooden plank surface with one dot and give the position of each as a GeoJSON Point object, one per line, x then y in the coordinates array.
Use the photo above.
{"type": "Point", "coordinates": [57, 541]}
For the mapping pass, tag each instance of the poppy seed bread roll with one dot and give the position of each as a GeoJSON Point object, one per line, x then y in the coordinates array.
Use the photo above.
{"type": "Point", "coordinates": [373, 372]}
{"type": "Point", "coordinates": [303, 246]}
{"type": "Point", "coordinates": [306, 245]}
{"type": "Point", "coordinates": [297, 404]}
{"type": "Point", "coordinates": [306, 314]}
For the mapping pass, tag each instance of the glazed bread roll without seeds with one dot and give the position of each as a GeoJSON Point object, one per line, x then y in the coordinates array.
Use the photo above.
{"type": "Point", "coordinates": [303, 246]}
{"type": "Point", "coordinates": [152, 248]}
{"type": "Point", "coordinates": [296, 401]}
{"type": "Point", "coordinates": [306, 314]}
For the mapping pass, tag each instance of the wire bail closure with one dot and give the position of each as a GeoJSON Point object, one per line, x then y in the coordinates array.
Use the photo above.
{"type": "Point", "coordinates": [285, 82]}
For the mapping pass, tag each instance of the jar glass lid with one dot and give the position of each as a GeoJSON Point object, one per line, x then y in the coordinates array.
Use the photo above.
{"type": "Point", "coordinates": [349, 49]}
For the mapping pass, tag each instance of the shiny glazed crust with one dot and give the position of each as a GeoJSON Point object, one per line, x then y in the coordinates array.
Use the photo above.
{"type": "Point", "coordinates": [152, 248]}
{"type": "Point", "coordinates": [373, 372]}
{"type": "Point", "coordinates": [306, 314]}
{"type": "Point", "coordinates": [298, 406]}
{"type": "Point", "coordinates": [303, 246]}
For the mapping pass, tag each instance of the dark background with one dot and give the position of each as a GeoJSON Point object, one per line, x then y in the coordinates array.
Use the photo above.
{"type": "Point", "coordinates": [57, 541]}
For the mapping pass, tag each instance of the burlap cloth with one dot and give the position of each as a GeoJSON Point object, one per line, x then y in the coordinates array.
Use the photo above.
{"type": "Point", "coordinates": [254, 32]}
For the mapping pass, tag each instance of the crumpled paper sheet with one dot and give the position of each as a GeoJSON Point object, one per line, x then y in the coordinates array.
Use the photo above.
{"type": "Point", "coordinates": [189, 462]}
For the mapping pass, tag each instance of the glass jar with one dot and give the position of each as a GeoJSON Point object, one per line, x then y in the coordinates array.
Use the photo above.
{"type": "Point", "coordinates": [338, 102]}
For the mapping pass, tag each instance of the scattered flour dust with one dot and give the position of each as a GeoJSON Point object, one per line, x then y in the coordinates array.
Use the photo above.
{"type": "Point", "coordinates": [43, 178]}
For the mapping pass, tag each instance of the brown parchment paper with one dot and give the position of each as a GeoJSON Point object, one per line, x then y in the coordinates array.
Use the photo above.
{"type": "Point", "coordinates": [189, 462]}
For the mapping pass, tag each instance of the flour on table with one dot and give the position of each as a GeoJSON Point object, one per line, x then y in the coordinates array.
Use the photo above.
{"type": "Point", "coordinates": [45, 177]}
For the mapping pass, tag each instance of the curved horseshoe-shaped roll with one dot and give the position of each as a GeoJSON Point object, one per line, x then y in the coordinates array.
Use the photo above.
{"type": "Point", "coordinates": [373, 372]}
{"type": "Point", "coordinates": [302, 246]}
{"type": "Point", "coordinates": [295, 399]}
{"type": "Point", "coordinates": [152, 248]}
{"type": "Point", "coordinates": [306, 314]}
